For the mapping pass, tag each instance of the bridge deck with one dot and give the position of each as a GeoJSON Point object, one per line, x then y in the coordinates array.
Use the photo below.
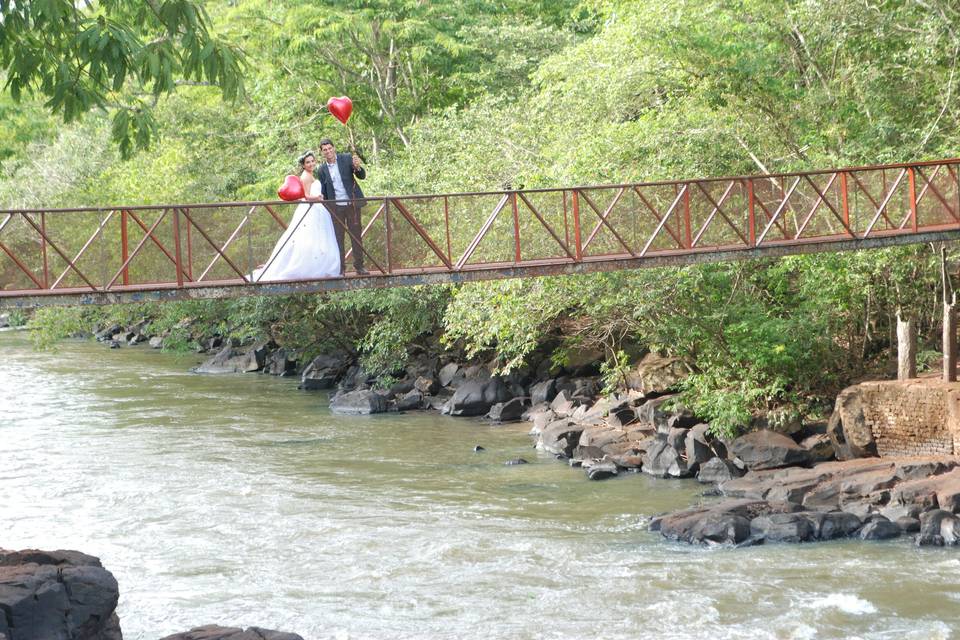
{"type": "Point", "coordinates": [170, 252]}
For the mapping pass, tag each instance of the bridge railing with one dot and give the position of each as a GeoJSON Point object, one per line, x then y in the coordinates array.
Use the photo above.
{"type": "Point", "coordinates": [180, 246]}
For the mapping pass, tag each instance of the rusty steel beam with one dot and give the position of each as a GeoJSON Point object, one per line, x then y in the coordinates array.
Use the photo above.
{"type": "Point", "coordinates": [439, 275]}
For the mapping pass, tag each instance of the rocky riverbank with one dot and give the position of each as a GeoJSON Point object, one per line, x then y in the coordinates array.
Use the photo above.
{"type": "Point", "coordinates": [783, 485]}
{"type": "Point", "coordinates": [68, 595]}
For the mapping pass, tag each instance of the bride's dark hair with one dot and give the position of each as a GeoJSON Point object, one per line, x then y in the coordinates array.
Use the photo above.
{"type": "Point", "coordinates": [302, 159]}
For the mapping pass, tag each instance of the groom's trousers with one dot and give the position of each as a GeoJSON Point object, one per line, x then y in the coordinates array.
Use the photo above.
{"type": "Point", "coordinates": [347, 217]}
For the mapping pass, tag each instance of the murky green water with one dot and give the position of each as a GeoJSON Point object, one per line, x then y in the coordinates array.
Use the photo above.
{"type": "Point", "coordinates": [239, 500]}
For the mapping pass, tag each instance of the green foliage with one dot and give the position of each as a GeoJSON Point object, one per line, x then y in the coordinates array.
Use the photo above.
{"type": "Point", "coordinates": [103, 55]}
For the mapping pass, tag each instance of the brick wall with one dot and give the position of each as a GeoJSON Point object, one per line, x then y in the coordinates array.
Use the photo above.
{"type": "Point", "coordinates": [913, 417]}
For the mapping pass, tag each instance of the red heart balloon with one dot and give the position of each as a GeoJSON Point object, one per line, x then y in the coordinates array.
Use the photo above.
{"type": "Point", "coordinates": [341, 108]}
{"type": "Point", "coordinates": [291, 189]}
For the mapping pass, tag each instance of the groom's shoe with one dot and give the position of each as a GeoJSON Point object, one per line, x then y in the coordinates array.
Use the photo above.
{"type": "Point", "coordinates": [362, 272]}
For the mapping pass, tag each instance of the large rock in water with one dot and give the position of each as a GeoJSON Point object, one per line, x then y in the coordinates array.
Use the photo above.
{"type": "Point", "coordinates": [768, 450]}
{"type": "Point", "coordinates": [476, 397]}
{"type": "Point", "coordinates": [359, 402]}
{"type": "Point", "coordinates": [848, 429]}
{"type": "Point", "coordinates": [56, 595]}
{"type": "Point", "coordinates": [215, 632]}
{"type": "Point", "coordinates": [236, 360]}
{"type": "Point", "coordinates": [324, 371]}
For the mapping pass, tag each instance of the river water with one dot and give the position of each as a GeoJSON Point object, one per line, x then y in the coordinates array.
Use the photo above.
{"type": "Point", "coordinates": [241, 501]}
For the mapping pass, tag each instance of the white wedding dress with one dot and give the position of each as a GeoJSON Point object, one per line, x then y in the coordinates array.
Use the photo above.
{"type": "Point", "coordinates": [307, 249]}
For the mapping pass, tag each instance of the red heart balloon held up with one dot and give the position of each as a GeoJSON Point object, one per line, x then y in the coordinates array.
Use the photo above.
{"type": "Point", "coordinates": [291, 189]}
{"type": "Point", "coordinates": [341, 108]}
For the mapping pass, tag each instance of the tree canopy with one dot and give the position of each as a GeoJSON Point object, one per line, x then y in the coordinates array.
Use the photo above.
{"type": "Point", "coordinates": [114, 55]}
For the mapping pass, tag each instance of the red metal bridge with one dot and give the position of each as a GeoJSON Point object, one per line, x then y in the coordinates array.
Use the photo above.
{"type": "Point", "coordinates": [181, 251]}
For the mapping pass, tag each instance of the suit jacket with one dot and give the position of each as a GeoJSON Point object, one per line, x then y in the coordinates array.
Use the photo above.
{"type": "Point", "coordinates": [345, 165]}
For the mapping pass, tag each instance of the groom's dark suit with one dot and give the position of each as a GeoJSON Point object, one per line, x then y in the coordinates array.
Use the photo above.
{"type": "Point", "coordinates": [346, 214]}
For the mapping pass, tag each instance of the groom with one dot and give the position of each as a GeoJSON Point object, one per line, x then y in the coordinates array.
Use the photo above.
{"type": "Point", "coordinates": [336, 173]}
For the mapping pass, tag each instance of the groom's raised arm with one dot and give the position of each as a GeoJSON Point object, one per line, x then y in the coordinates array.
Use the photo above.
{"type": "Point", "coordinates": [358, 170]}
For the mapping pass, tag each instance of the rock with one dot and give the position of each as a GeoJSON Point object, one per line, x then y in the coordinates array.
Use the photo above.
{"type": "Point", "coordinates": [541, 420]}
{"type": "Point", "coordinates": [677, 438]}
{"type": "Point", "coordinates": [324, 371]}
{"type": "Point", "coordinates": [697, 445]}
{"type": "Point", "coordinates": [663, 461]}
{"type": "Point", "coordinates": [515, 461]}
{"type": "Point", "coordinates": [820, 447]}
{"type": "Point", "coordinates": [560, 437]}
{"type": "Point", "coordinates": [783, 527]}
{"type": "Point", "coordinates": [653, 413]}
{"type": "Point", "coordinates": [768, 450]}
{"type": "Point", "coordinates": [838, 524]}
{"type": "Point", "coordinates": [478, 449]}
{"type": "Point", "coordinates": [410, 401]}
{"type": "Point", "coordinates": [718, 470]}
{"type": "Point", "coordinates": [216, 632]}
{"type": "Point", "coordinates": [475, 397]}
{"type": "Point", "coordinates": [938, 528]}
{"type": "Point", "coordinates": [656, 374]}
{"type": "Point", "coordinates": [544, 391]}
{"type": "Point", "coordinates": [281, 362]}
{"type": "Point", "coordinates": [600, 470]}
{"type": "Point", "coordinates": [908, 524]}
{"type": "Point", "coordinates": [114, 344]}
{"type": "Point", "coordinates": [725, 522]}
{"type": "Point", "coordinates": [4, 320]}
{"type": "Point", "coordinates": [509, 411]}
{"type": "Point", "coordinates": [447, 374]}
{"type": "Point", "coordinates": [359, 402]}
{"type": "Point", "coordinates": [107, 334]}
{"type": "Point", "coordinates": [561, 405]}
{"type": "Point", "coordinates": [848, 430]}
{"type": "Point", "coordinates": [426, 386]}
{"type": "Point", "coordinates": [234, 360]}
{"type": "Point", "coordinates": [879, 528]}
{"type": "Point", "coordinates": [156, 342]}
{"type": "Point", "coordinates": [57, 595]}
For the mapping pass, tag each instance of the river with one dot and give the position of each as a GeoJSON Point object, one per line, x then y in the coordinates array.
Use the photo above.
{"type": "Point", "coordinates": [241, 501]}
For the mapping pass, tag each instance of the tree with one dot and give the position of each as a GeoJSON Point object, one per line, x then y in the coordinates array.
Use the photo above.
{"type": "Point", "coordinates": [114, 55]}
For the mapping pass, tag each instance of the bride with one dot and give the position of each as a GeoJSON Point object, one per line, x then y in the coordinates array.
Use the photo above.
{"type": "Point", "coordinates": [308, 248]}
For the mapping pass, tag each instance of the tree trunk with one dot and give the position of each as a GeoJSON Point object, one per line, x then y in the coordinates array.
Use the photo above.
{"type": "Point", "coordinates": [949, 343]}
{"type": "Point", "coordinates": [906, 349]}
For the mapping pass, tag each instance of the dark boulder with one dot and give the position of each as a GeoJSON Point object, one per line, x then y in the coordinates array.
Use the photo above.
{"type": "Point", "coordinates": [410, 401]}
{"type": "Point", "coordinates": [938, 528]}
{"type": "Point", "coordinates": [509, 411]}
{"type": "Point", "coordinates": [475, 397]}
{"type": "Point", "coordinates": [725, 522]}
{"type": "Point", "coordinates": [663, 461]}
{"type": "Point", "coordinates": [544, 391]}
{"type": "Point", "coordinates": [768, 450]}
{"type": "Point", "coordinates": [216, 632]}
{"type": "Point", "coordinates": [717, 470]}
{"type": "Point", "coordinates": [359, 402]}
{"type": "Point", "coordinates": [324, 371]}
{"type": "Point", "coordinates": [234, 360]}
{"type": "Point", "coordinates": [600, 469]}
{"type": "Point", "coordinates": [784, 527]}
{"type": "Point", "coordinates": [838, 524]}
{"type": "Point", "coordinates": [560, 437]}
{"type": "Point", "coordinates": [56, 595]}
{"type": "Point", "coordinates": [281, 362]}
{"type": "Point", "coordinates": [879, 528]}
{"type": "Point", "coordinates": [448, 373]}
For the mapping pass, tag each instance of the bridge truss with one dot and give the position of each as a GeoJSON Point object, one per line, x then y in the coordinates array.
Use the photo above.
{"type": "Point", "coordinates": [185, 251]}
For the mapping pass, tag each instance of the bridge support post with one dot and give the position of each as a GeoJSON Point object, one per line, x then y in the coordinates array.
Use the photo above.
{"type": "Point", "coordinates": [906, 348]}
{"type": "Point", "coordinates": [576, 225]}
